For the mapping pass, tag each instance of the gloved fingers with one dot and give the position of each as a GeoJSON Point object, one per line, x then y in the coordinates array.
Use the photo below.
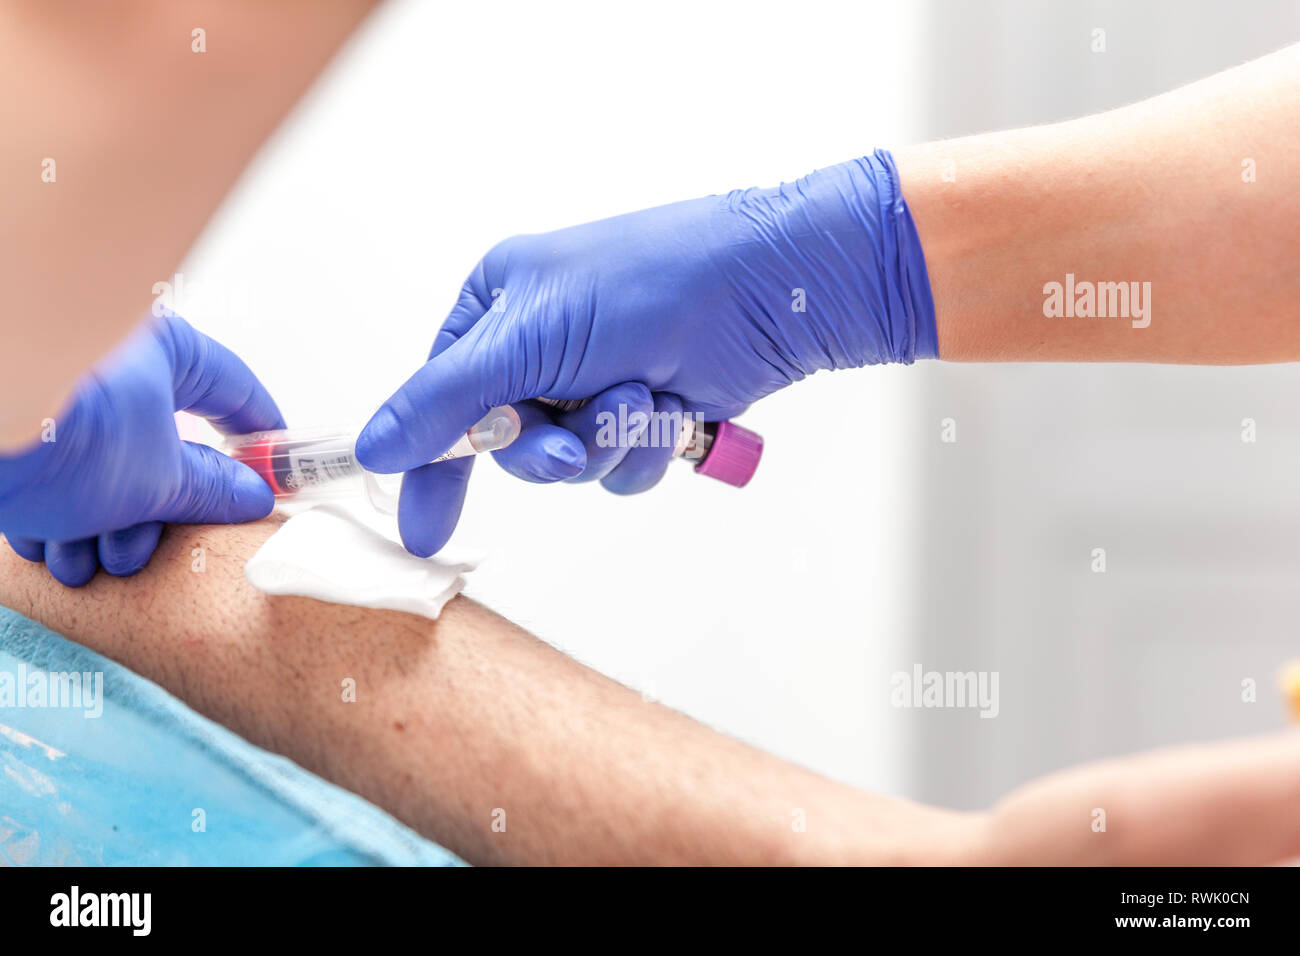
{"type": "Point", "coordinates": [430, 505]}
{"type": "Point", "coordinates": [485, 367]}
{"type": "Point", "coordinates": [210, 380]}
{"type": "Point", "coordinates": [469, 308]}
{"type": "Point", "coordinates": [72, 563]}
{"type": "Point", "coordinates": [433, 495]}
{"type": "Point", "coordinates": [32, 549]}
{"type": "Point", "coordinates": [609, 426]}
{"type": "Point", "coordinates": [216, 489]}
{"type": "Point", "coordinates": [128, 550]}
{"type": "Point", "coordinates": [646, 462]}
{"type": "Point", "coordinates": [544, 451]}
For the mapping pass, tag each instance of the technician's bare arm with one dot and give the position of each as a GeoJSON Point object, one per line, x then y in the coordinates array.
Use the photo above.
{"type": "Point", "coordinates": [1193, 195]}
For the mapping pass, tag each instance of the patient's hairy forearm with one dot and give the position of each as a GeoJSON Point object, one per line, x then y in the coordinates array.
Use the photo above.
{"type": "Point", "coordinates": [1196, 192]}
{"type": "Point", "coordinates": [459, 718]}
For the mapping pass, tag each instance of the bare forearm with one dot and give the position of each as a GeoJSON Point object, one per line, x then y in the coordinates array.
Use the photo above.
{"type": "Point", "coordinates": [1159, 192]}
{"type": "Point", "coordinates": [120, 141]}
{"type": "Point", "coordinates": [469, 721]}
{"type": "Point", "coordinates": [457, 719]}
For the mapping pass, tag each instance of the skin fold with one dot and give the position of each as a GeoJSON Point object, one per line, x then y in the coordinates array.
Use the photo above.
{"type": "Point", "coordinates": [459, 717]}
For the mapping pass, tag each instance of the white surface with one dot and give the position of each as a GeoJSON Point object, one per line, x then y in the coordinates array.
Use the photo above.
{"type": "Point", "coordinates": [328, 554]}
{"type": "Point", "coordinates": [774, 612]}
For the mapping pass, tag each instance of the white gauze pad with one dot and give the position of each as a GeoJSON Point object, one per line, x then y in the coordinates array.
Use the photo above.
{"type": "Point", "coordinates": [330, 555]}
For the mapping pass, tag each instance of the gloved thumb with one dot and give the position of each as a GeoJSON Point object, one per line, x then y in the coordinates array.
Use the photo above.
{"type": "Point", "coordinates": [210, 380]}
{"type": "Point", "coordinates": [484, 368]}
{"type": "Point", "coordinates": [216, 489]}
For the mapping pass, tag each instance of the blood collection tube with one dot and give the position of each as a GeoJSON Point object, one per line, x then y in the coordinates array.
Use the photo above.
{"type": "Point", "coordinates": [294, 460]}
{"type": "Point", "coordinates": [319, 460]}
{"type": "Point", "coordinates": [722, 450]}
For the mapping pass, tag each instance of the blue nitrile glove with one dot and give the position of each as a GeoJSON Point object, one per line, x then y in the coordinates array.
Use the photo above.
{"type": "Point", "coordinates": [116, 470]}
{"type": "Point", "coordinates": [701, 306]}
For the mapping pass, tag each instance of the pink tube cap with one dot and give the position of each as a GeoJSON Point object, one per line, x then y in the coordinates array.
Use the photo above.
{"type": "Point", "coordinates": [733, 456]}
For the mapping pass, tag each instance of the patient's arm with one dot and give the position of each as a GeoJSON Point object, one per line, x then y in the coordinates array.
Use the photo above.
{"type": "Point", "coordinates": [456, 718]}
{"type": "Point", "coordinates": [110, 110]}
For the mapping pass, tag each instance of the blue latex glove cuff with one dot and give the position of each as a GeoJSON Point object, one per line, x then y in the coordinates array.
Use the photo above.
{"type": "Point", "coordinates": [916, 301]}
{"type": "Point", "coordinates": [844, 238]}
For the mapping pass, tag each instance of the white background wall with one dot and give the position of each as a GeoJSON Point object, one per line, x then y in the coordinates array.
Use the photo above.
{"type": "Point", "coordinates": [773, 613]}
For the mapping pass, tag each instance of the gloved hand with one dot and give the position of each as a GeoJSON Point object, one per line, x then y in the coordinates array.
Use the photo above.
{"type": "Point", "coordinates": [116, 470]}
{"type": "Point", "coordinates": [701, 306]}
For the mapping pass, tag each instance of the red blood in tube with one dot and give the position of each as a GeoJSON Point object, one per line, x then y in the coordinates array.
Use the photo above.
{"type": "Point", "coordinates": [260, 456]}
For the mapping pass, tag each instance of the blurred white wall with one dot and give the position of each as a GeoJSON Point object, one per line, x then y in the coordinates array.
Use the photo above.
{"type": "Point", "coordinates": [1202, 587]}
{"type": "Point", "coordinates": [770, 613]}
